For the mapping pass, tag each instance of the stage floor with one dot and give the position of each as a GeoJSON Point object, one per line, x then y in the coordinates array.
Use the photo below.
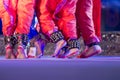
{"type": "Point", "coordinates": [46, 68]}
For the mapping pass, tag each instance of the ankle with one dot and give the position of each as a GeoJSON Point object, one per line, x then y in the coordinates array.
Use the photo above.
{"type": "Point", "coordinates": [93, 44]}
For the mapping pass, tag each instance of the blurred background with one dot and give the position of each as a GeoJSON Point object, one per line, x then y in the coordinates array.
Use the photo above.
{"type": "Point", "coordinates": [110, 15]}
{"type": "Point", "coordinates": [110, 27]}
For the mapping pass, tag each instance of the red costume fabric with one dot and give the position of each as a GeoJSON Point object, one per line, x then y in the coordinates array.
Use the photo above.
{"type": "Point", "coordinates": [16, 16]}
{"type": "Point", "coordinates": [97, 17]}
{"type": "Point", "coordinates": [60, 13]}
{"type": "Point", "coordinates": [88, 20]}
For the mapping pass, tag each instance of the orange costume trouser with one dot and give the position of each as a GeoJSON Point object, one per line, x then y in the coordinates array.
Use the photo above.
{"type": "Point", "coordinates": [60, 13]}
{"type": "Point", "coordinates": [16, 16]}
{"type": "Point", "coordinates": [88, 20]}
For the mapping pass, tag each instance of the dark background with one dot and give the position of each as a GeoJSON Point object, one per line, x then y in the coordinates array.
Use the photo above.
{"type": "Point", "coordinates": [110, 15]}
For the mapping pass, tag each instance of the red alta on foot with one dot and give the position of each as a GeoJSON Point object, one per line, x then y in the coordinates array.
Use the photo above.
{"type": "Point", "coordinates": [90, 51]}
{"type": "Point", "coordinates": [9, 44]}
{"type": "Point", "coordinates": [21, 46]}
{"type": "Point", "coordinates": [73, 48]}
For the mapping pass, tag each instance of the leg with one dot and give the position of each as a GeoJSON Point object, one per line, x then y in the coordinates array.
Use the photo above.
{"type": "Point", "coordinates": [85, 24]}
{"type": "Point", "coordinates": [37, 45]}
{"type": "Point", "coordinates": [8, 11]}
{"type": "Point", "coordinates": [25, 12]}
{"type": "Point", "coordinates": [10, 42]}
{"type": "Point", "coordinates": [48, 26]}
{"type": "Point", "coordinates": [67, 25]}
